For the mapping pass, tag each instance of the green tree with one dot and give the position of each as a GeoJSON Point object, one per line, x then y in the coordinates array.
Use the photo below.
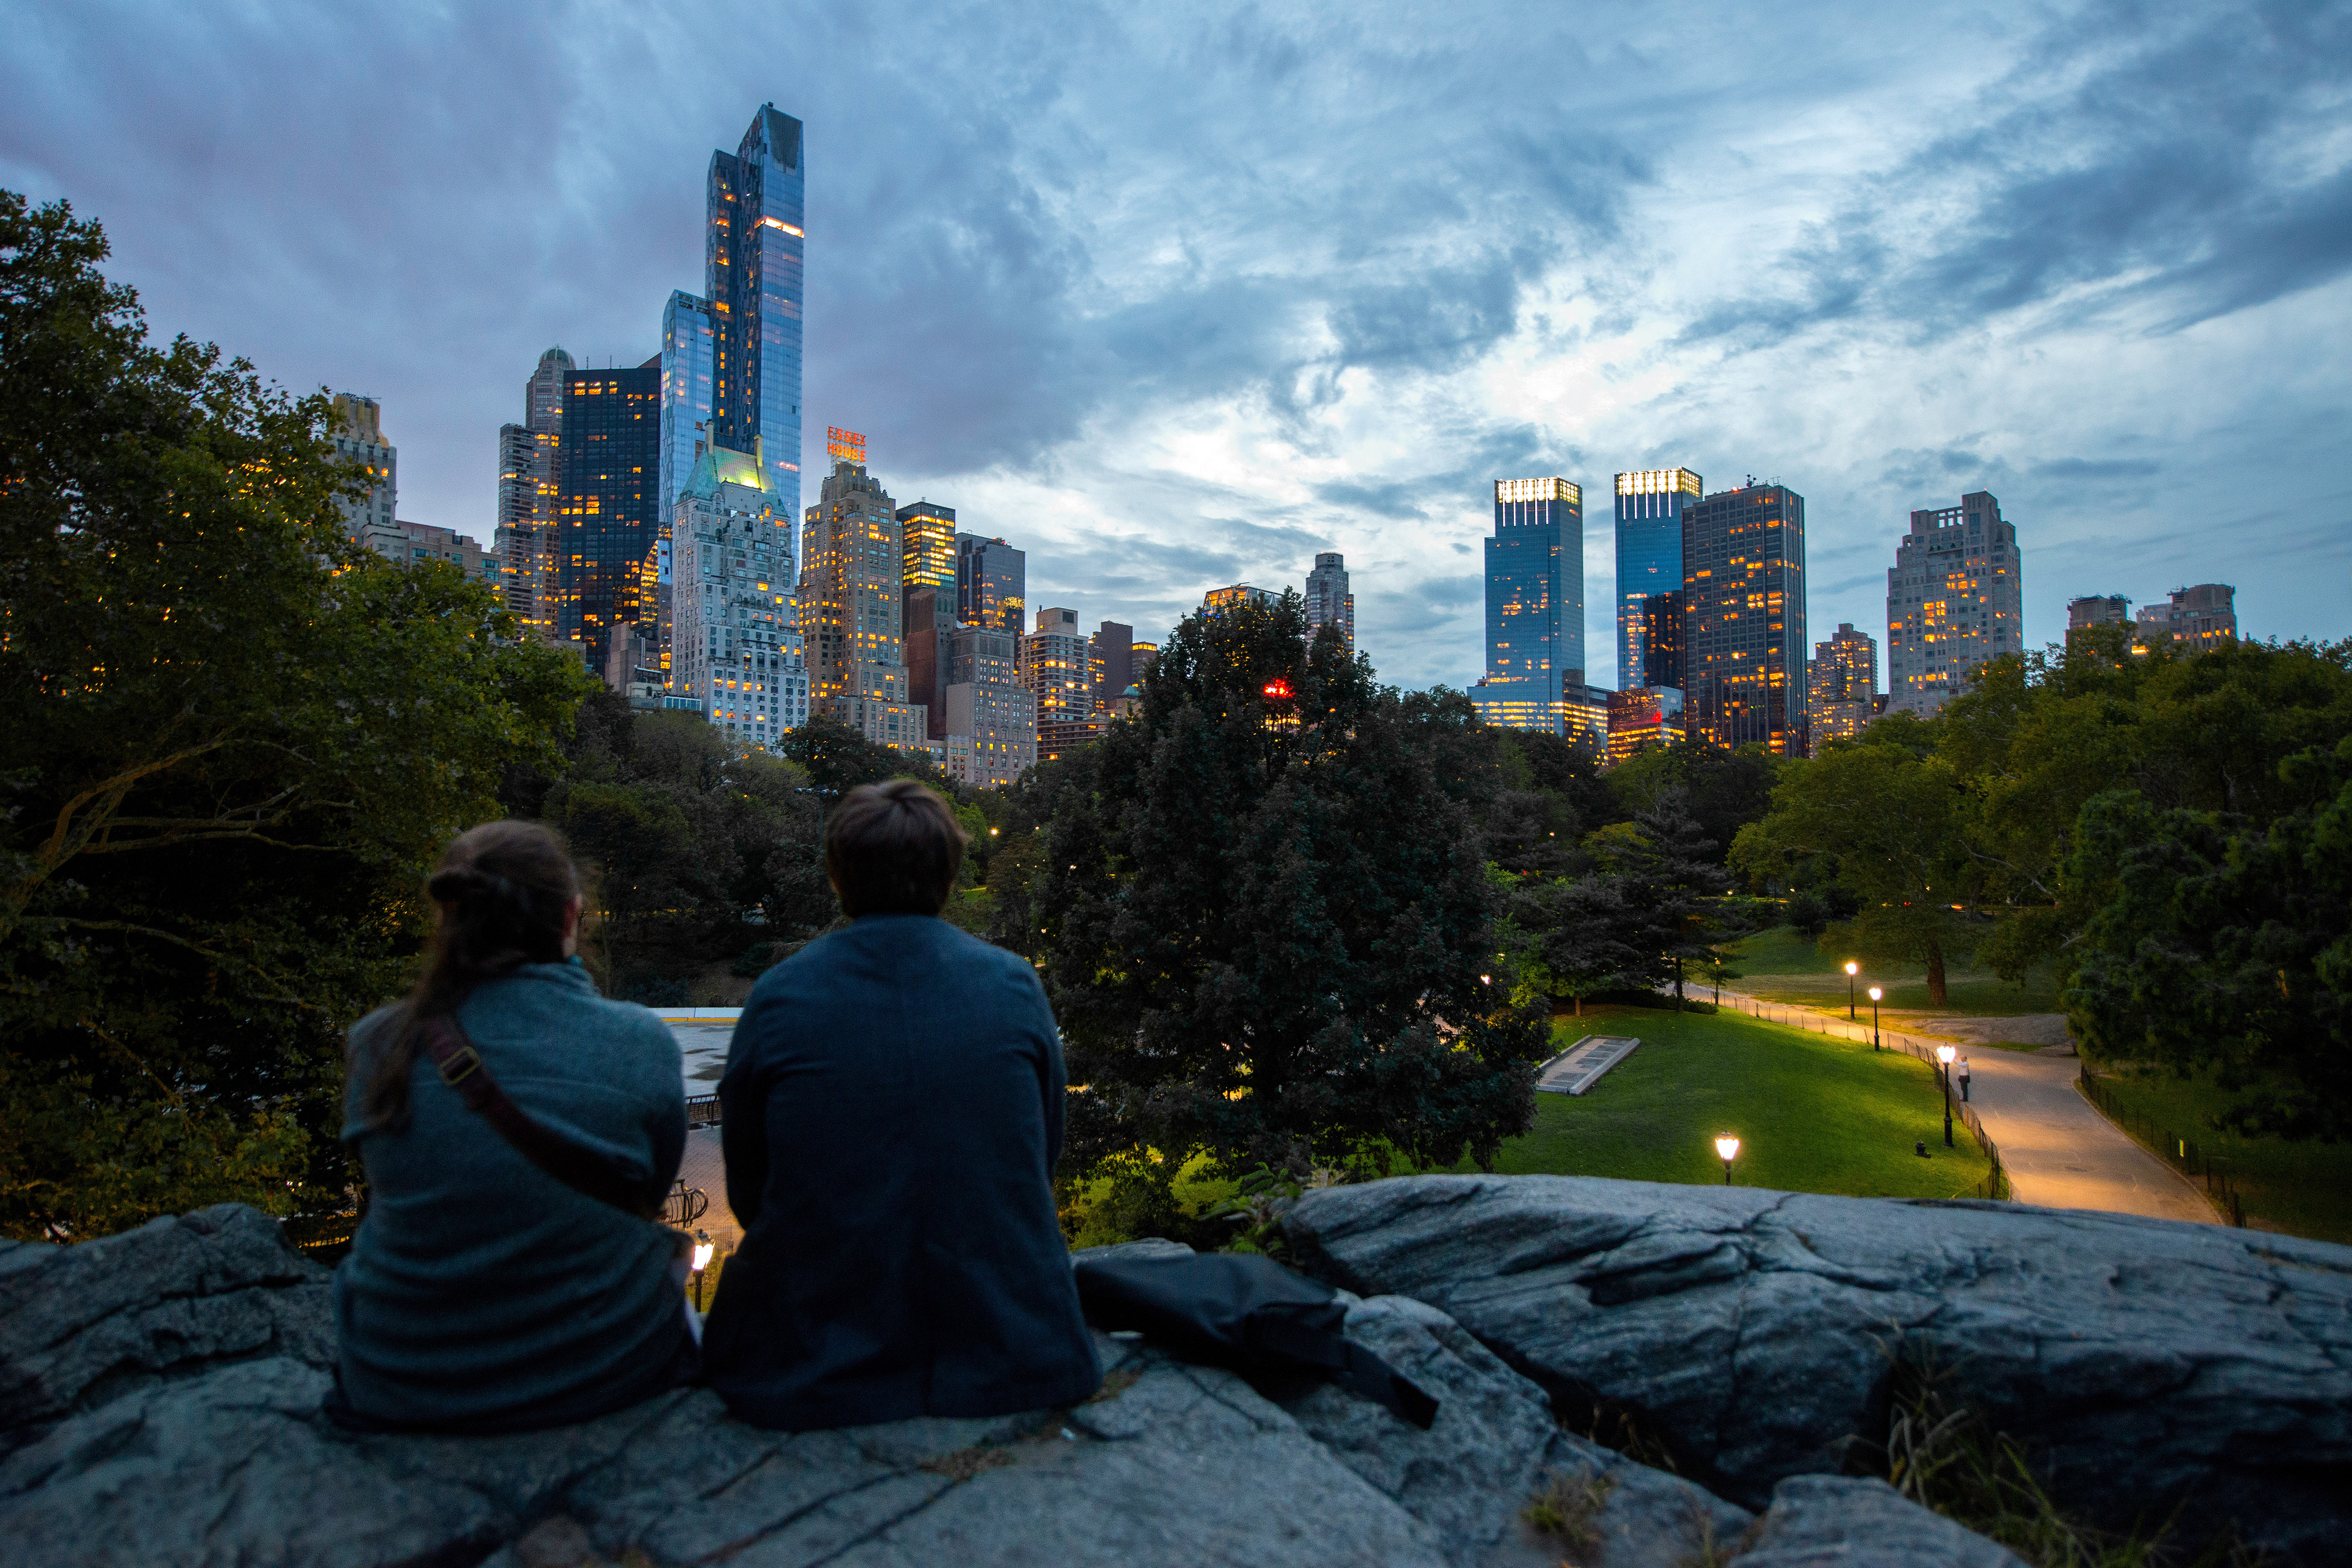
{"type": "Point", "coordinates": [1893, 820]}
{"type": "Point", "coordinates": [1263, 917]}
{"type": "Point", "coordinates": [2226, 947]}
{"type": "Point", "coordinates": [231, 741]}
{"type": "Point", "coordinates": [1722, 791]}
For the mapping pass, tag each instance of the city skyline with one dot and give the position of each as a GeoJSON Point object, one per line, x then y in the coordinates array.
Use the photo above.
{"type": "Point", "coordinates": [1117, 334]}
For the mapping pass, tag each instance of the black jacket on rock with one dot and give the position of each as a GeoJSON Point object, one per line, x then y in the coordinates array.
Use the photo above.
{"type": "Point", "coordinates": [891, 1113]}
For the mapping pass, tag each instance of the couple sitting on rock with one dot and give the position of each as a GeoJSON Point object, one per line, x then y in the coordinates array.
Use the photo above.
{"type": "Point", "coordinates": [892, 1110]}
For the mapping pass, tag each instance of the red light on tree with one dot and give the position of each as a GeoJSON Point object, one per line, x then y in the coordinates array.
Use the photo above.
{"type": "Point", "coordinates": [1278, 689]}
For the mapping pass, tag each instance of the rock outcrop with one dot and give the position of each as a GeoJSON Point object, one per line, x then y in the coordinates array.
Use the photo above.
{"type": "Point", "coordinates": [162, 1393]}
{"type": "Point", "coordinates": [2147, 1365]}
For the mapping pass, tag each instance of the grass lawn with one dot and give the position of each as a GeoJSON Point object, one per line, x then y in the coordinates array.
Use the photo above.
{"type": "Point", "coordinates": [2304, 1189]}
{"type": "Point", "coordinates": [1813, 1114]}
{"type": "Point", "coordinates": [1787, 967]}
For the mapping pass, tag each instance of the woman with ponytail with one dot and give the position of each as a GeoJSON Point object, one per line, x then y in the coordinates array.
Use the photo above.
{"type": "Point", "coordinates": [517, 1128]}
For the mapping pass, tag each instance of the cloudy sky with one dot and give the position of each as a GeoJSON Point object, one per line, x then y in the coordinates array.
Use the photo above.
{"type": "Point", "coordinates": [1176, 296]}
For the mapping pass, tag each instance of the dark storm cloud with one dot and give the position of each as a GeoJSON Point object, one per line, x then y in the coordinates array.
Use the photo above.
{"type": "Point", "coordinates": [2184, 156]}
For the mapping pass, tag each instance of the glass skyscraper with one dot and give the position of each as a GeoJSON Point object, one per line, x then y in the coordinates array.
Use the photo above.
{"type": "Point", "coordinates": [1744, 618]}
{"type": "Point", "coordinates": [1649, 555]}
{"type": "Point", "coordinates": [730, 359]}
{"type": "Point", "coordinates": [608, 514]}
{"type": "Point", "coordinates": [1534, 605]}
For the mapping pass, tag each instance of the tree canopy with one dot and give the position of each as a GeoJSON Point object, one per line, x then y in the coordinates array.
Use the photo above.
{"type": "Point", "coordinates": [231, 742]}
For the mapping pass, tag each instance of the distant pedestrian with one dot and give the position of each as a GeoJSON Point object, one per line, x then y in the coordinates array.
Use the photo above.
{"type": "Point", "coordinates": [892, 1111]}
{"type": "Point", "coordinates": [1964, 1078]}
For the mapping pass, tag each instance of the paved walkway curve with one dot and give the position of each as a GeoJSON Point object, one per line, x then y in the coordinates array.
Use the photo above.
{"type": "Point", "coordinates": [2059, 1151]}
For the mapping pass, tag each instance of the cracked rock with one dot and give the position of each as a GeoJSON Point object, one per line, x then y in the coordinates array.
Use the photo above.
{"type": "Point", "coordinates": [2148, 1365]}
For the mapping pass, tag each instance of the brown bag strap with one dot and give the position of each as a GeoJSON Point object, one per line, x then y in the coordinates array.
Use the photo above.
{"type": "Point", "coordinates": [462, 1068]}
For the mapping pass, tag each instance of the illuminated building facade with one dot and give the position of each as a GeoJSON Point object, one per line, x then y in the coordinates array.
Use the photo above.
{"type": "Point", "coordinates": [1650, 504]}
{"type": "Point", "coordinates": [1328, 602]}
{"type": "Point", "coordinates": [518, 476]}
{"type": "Point", "coordinates": [852, 607]}
{"type": "Point", "coordinates": [991, 584]}
{"type": "Point", "coordinates": [609, 461]}
{"type": "Point", "coordinates": [1842, 686]}
{"type": "Point", "coordinates": [1954, 601]}
{"type": "Point", "coordinates": [2203, 616]}
{"type": "Point", "coordinates": [689, 366]}
{"type": "Point", "coordinates": [1110, 663]}
{"type": "Point", "coordinates": [1220, 601]}
{"type": "Point", "coordinates": [1744, 618]}
{"type": "Point", "coordinates": [990, 732]}
{"type": "Point", "coordinates": [1056, 670]}
{"type": "Point", "coordinates": [528, 544]}
{"type": "Point", "coordinates": [927, 545]}
{"type": "Point", "coordinates": [359, 439]}
{"type": "Point", "coordinates": [1534, 609]}
{"type": "Point", "coordinates": [753, 266]}
{"type": "Point", "coordinates": [1664, 622]}
{"type": "Point", "coordinates": [1643, 719]}
{"type": "Point", "coordinates": [734, 650]}
{"type": "Point", "coordinates": [2096, 610]}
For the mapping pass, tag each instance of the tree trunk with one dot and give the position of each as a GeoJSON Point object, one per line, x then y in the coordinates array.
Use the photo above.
{"type": "Point", "coordinates": [1936, 993]}
{"type": "Point", "coordinates": [1678, 984]}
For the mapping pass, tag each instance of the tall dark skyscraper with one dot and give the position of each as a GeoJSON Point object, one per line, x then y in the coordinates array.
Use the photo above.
{"type": "Point", "coordinates": [1111, 659]}
{"type": "Point", "coordinates": [1534, 605]}
{"type": "Point", "coordinates": [1650, 504]}
{"type": "Point", "coordinates": [1744, 626]}
{"type": "Point", "coordinates": [730, 359]}
{"type": "Point", "coordinates": [609, 512]}
{"type": "Point", "coordinates": [991, 584]}
{"type": "Point", "coordinates": [1662, 640]}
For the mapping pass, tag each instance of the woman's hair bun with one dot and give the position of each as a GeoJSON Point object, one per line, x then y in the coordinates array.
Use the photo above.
{"type": "Point", "coordinates": [456, 883]}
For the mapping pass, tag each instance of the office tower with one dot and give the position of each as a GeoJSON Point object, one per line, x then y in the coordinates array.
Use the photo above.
{"type": "Point", "coordinates": [655, 608]}
{"type": "Point", "coordinates": [1842, 686]}
{"type": "Point", "coordinates": [1142, 657]}
{"type": "Point", "coordinates": [1650, 504]}
{"type": "Point", "coordinates": [1643, 719]}
{"type": "Point", "coordinates": [2096, 610]}
{"type": "Point", "coordinates": [1663, 624]}
{"type": "Point", "coordinates": [1534, 606]}
{"type": "Point", "coordinates": [359, 439]}
{"type": "Point", "coordinates": [1218, 601]}
{"type": "Point", "coordinates": [518, 480]}
{"type": "Point", "coordinates": [992, 583]}
{"type": "Point", "coordinates": [1056, 670]}
{"type": "Point", "coordinates": [852, 606]}
{"type": "Point", "coordinates": [689, 362]}
{"type": "Point", "coordinates": [529, 487]}
{"type": "Point", "coordinates": [991, 732]}
{"type": "Point", "coordinates": [607, 508]}
{"type": "Point", "coordinates": [927, 536]}
{"type": "Point", "coordinates": [752, 264]}
{"type": "Point", "coordinates": [2204, 616]}
{"type": "Point", "coordinates": [1744, 618]}
{"type": "Point", "coordinates": [413, 543]}
{"type": "Point", "coordinates": [1954, 601]}
{"type": "Point", "coordinates": [734, 648]}
{"type": "Point", "coordinates": [1110, 663]}
{"type": "Point", "coordinates": [1328, 602]}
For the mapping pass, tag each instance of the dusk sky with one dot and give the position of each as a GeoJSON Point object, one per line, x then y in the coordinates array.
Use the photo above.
{"type": "Point", "coordinates": [1175, 297]}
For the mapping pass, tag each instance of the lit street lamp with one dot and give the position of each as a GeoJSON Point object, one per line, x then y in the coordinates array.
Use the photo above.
{"type": "Point", "coordinates": [1874, 994]}
{"type": "Point", "coordinates": [702, 1250]}
{"type": "Point", "coordinates": [1726, 1148]}
{"type": "Point", "coordinates": [1852, 969]}
{"type": "Point", "coordinates": [1944, 1055]}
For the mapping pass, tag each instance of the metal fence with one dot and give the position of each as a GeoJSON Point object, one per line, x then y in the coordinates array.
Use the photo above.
{"type": "Point", "coordinates": [1995, 1185]}
{"type": "Point", "coordinates": [702, 1110]}
{"type": "Point", "coordinates": [2183, 1153]}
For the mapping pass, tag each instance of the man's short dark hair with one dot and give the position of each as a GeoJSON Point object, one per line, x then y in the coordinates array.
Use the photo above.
{"type": "Point", "coordinates": [893, 848]}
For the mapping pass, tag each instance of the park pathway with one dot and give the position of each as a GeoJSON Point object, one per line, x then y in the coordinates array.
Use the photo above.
{"type": "Point", "coordinates": [2059, 1151]}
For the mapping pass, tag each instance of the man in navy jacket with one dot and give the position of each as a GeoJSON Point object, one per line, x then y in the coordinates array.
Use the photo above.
{"type": "Point", "coordinates": [892, 1111]}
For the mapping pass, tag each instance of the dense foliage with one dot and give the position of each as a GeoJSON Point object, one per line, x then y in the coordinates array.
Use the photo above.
{"type": "Point", "coordinates": [230, 743]}
{"type": "Point", "coordinates": [2167, 827]}
{"type": "Point", "coordinates": [1260, 907]}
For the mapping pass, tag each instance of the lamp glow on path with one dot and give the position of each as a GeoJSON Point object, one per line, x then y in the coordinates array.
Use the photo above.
{"type": "Point", "coordinates": [1726, 1148]}
{"type": "Point", "coordinates": [1852, 969]}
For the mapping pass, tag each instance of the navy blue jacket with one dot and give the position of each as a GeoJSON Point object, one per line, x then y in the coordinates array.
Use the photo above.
{"type": "Point", "coordinates": [892, 1110]}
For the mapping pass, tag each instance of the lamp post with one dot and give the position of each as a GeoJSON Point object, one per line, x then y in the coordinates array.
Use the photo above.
{"type": "Point", "coordinates": [1874, 994]}
{"type": "Point", "coordinates": [701, 1261]}
{"type": "Point", "coordinates": [1944, 1055]}
{"type": "Point", "coordinates": [1852, 969]}
{"type": "Point", "coordinates": [1726, 1148]}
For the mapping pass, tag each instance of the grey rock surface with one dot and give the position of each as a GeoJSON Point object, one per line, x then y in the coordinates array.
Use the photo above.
{"type": "Point", "coordinates": [2148, 1364]}
{"type": "Point", "coordinates": [83, 1324]}
{"type": "Point", "coordinates": [1830, 1522]}
{"type": "Point", "coordinates": [144, 1438]}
